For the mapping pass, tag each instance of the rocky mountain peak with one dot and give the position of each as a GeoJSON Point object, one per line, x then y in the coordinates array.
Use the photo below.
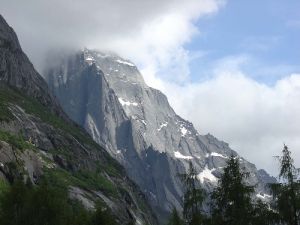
{"type": "Point", "coordinates": [108, 96]}
{"type": "Point", "coordinates": [114, 67]}
{"type": "Point", "coordinates": [8, 38]}
{"type": "Point", "coordinates": [38, 141]}
{"type": "Point", "coordinates": [18, 72]}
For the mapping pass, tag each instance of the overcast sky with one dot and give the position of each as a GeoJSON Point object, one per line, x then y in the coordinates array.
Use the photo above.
{"type": "Point", "coordinates": [231, 67]}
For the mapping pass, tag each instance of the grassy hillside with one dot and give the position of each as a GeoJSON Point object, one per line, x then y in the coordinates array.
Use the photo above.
{"type": "Point", "coordinates": [43, 146]}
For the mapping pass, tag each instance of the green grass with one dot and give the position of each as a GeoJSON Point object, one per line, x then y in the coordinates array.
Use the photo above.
{"type": "Point", "coordinates": [110, 169]}
{"type": "Point", "coordinates": [4, 186]}
{"type": "Point", "coordinates": [84, 179]}
{"type": "Point", "coordinates": [16, 141]}
{"type": "Point", "coordinates": [5, 114]}
{"type": "Point", "coordinates": [96, 181]}
{"type": "Point", "coordinates": [65, 152]}
{"type": "Point", "coordinates": [34, 107]}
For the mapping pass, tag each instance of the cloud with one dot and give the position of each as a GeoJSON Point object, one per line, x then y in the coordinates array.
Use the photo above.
{"type": "Point", "coordinates": [255, 119]}
{"type": "Point", "coordinates": [151, 33]}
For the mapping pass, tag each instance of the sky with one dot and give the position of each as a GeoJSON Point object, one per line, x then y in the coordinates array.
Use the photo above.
{"type": "Point", "coordinates": [231, 67]}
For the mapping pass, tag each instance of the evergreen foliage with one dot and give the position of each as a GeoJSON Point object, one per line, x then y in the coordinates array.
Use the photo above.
{"type": "Point", "coordinates": [175, 218]}
{"type": "Point", "coordinates": [263, 215]}
{"type": "Point", "coordinates": [17, 142]}
{"type": "Point", "coordinates": [26, 204]}
{"type": "Point", "coordinates": [193, 198]}
{"type": "Point", "coordinates": [232, 198]}
{"type": "Point", "coordinates": [232, 201]}
{"type": "Point", "coordinates": [287, 192]}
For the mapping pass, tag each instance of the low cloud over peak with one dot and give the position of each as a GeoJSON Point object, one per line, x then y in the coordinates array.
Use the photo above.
{"type": "Point", "coordinates": [254, 118]}
{"type": "Point", "coordinates": [226, 100]}
{"type": "Point", "coordinates": [141, 30]}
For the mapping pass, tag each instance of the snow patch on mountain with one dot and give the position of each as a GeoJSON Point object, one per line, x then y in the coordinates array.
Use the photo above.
{"type": "Point", "coordinates": [89, 59]}
{"type": "Point", "coordinates": [206, 174]}
{"type": "Point", "coordinates": [166, 133]}
{"type": "Point", "coordinates": [178, 155]}
{"type": "Point", "coordinates": [103, 55]}
{"type": "Point", "coordinates": [183, 131]}
{"type": "Point", "coordinates": [215, 154]}
{"type": "Point", "coordinates": [165, 124]}
{"type": "Point", "coordinates": [127, 103]}
{"type": "Point", "coordinates": [263, 196]}
{"type": "Point", "coordinates": [124, 62]}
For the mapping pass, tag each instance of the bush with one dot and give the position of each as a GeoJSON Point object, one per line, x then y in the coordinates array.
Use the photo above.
{"type": "Point", "coordinates": [16, 141]}
{"type": "Point", "coordinates": [5, 114]}
{"type": "Point", "coordinates": [46, 204]}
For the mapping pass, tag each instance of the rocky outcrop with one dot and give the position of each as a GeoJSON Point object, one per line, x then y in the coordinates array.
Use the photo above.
{"type": "Point", "coordinates": [107, 95]}
{"type": "Point", "coordinates": [18, 72]}
{"type": "Point", "coordinates": [38, 139]}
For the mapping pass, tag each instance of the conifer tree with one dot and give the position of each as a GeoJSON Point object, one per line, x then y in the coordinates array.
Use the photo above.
{"type": "Point", "coordinates": [287, 192]}
{"type": "Point", "coordinates": [263, 214]}
{"type": "Point", "coordinates": [231, 200]}
{"type": "Point", "coordinates": [46, 204]}
{"type": "Point", "coordinates": [175, 218]}
{"type": "Point", "coordinates": [193, 198]}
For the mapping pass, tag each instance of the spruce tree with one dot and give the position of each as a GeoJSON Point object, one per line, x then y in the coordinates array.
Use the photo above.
{"type": "Point", "coordinates": [287, 192]}
{"type": "Point", "coordinates": [175, 218]}
{"type": "Point", "coordinates": [193, 198]}
{"type": "Point", "coordinates": [263, 214]}
{"type": "Point", "coordinates": [231, 200]}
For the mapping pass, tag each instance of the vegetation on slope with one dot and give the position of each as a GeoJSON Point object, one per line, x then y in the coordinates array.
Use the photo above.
{"type": "Point", "coordinates": [9, 96]}
{"type": "Point", "coordinates": [23, 204]}
{"type": "Point", "coordinates": [87, 180]}
{"type": "Point", "coordinates": [32, 106]}
{"type": "Point", "coordinates": [75, 161]}
{"type": "Point", "coordinates": [82, 178]}
{"type": "Point", "coordinates": [231, 202]}
{"type": "Point", "coordinates": [15, 141]}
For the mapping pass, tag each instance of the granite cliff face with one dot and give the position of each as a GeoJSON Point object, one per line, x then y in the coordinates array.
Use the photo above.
{"type": "Point", "coordinates": [38, 139]}
{"type": "Point", "coordinates": [107, 95]}
{"type": "Point", "coordinates": [17, 71]}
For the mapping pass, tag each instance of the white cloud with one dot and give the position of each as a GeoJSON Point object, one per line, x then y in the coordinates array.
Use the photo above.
{"type": "Point", "coordinates": [159, 45]}
{"type": "Point", "coordinates": [151, 33]}
{"type": "Point", "coordinates": [255, 119]}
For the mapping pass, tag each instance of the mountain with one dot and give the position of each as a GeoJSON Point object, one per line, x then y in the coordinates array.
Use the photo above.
{"type": "Point", "coordinates": [107, 95]}
{"type": "Point", "coordinates": [37, 139]}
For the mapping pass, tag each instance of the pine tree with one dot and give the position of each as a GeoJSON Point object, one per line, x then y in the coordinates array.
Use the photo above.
{"type": "Point", "coordinates": [193, 198]}
{"type": "Point", "coordinates": [12, 205]}
{"type": "Point", "coordinates": [175, 218]}
{"type": "Point", "coordinates": [231, 200]}
{"type": "Point", "coordinates": [102, 216]}
{"type": "Point", "coordinates": [263, 214]}
{"type": "Point", "coordinates": [287, 193]}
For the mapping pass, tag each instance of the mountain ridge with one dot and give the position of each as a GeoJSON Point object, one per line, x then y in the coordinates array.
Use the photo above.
{"type": "Point", "coordinates": [17, 71]}
{"type": "Point", "coordinates": [139, 127]}
{"type": "Point", "coordinates": [37, 139]}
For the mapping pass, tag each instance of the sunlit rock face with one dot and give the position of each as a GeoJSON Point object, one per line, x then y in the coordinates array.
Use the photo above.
{"type": "Point", "coordinates": [108, 96]}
